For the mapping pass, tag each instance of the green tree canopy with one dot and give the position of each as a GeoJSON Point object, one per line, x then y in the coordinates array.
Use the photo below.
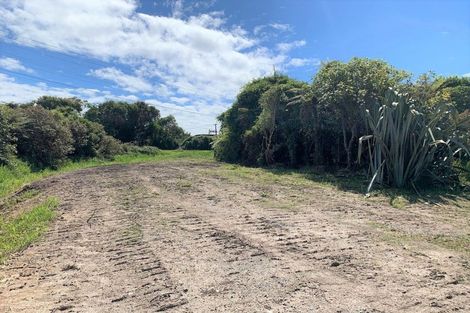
{"type": "Point", "coordinates": [349, 88]}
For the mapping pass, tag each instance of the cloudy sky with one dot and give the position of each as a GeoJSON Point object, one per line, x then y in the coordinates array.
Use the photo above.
{"type": "Point", "coordinates": [189, 58]}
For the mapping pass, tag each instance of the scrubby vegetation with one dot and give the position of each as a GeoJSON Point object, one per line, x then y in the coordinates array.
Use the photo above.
{"type": "Point", "coordinates": [17, 233]}
{"type": "Point", "coordinates": [138, 123]}
{"type": "Point", "coordinates": [50, 131]}
{"type": "Point", "coordinates": [363, 115]}
{"type": "Point", "coordinates": [360, 116]}
{"type": "Point", "coordinates": [198, 142]}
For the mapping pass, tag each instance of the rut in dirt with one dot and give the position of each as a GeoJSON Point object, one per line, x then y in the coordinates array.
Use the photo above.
{"type": "Point", "coordinates": [178, 237]}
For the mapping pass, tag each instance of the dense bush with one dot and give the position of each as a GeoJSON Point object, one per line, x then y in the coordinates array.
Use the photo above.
{"type": "Point", "coordinates": [406, 145]}
{"type": "Point", "coordinates": [133, 149]}
{"type": "Point", "coordinates": [44, 138]}
{"type": "Point", "coordinates": [7, 147]}
{"type": "Point", "coordinates": [166, 134]}
{"type": "Point", "coordinates": [242, 141]}
{"type": "Point", "coordinates": [109, 147]}
{"type": "Point", "coordinates": [50, 130]}
{"type": "Point", "coordinates": [62, 104]}
{"type": "Point", "coordinates": [128, 122]}
{"type": "Point", "coordinates": [278, 120]}
{"type": "Point", "coordinates": [198, 142]}
{"type": "Point", "coordinates": [137, 123]}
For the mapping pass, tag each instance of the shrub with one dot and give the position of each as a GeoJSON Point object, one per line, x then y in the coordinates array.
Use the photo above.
{"type": "Point", "coordinates": [109, 147]}
{"type": "Point", "coordinates": [44, 138]}
{"type": "Point", "coordinates": [88, 137]}
{"type": "Point", "coordinates": [406, 145]}
{"type": "Point", "coordinates": [128, 122]}
{"type": "Point", "coordinates": [198, 142]}
{"type": "Point", "coordinates": [240, 139]}
{"type": "Point", "coordinates": [133, 149]}
{"type": "Point", "coordinates": [67, 105]}
{"type": "Point", "coordinates": [166, 134]}
{"type": "Point", "coordinates": [7, 147]}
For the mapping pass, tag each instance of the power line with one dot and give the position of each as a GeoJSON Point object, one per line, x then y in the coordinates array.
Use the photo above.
{"type": "Point", "coordinates": [39, 78]}
{"type": "Point", "coordinates": [56, 49]}
{"type": "Point", "coordinates": [77, 87]}
{"type": "Point", "coordinates": [60, 50]}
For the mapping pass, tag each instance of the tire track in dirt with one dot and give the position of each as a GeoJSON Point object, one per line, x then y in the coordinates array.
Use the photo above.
{"type": "Point", "coordinates": [163, 237]}
{"type": "Point", "coordinates": [342, 248]}
{"type": "Point", "coordinates": [93, 260]}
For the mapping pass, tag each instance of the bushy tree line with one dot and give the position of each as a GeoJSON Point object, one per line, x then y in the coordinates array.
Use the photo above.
{"type": "Point", "coordinates": [50, 130]}
{"type": "Point", "coordinates": [352, 115]}
{"type": "Point", "coordinates": [198, 142]}
{"type": "Point", "coordinates": [138, 123]}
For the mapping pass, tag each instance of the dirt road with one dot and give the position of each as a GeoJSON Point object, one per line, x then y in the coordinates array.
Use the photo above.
{"type": "Point", "coordinates": [187, 237]}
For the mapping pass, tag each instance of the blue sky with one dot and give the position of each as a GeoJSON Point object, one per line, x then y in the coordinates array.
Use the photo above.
{"type": "Point", "coordinates": [189, 58]}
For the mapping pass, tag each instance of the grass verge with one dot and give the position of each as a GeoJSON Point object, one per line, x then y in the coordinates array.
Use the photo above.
{"type": "Point", "coordinates": [458, 243]}
{"type": "Point", "coordinates": [353, 182]}
{"type": "Point", "coordinates": [18, 233]}
{"type": "Point", "coordinates": [20, 173]}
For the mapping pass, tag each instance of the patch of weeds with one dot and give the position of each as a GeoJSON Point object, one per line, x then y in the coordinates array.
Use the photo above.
{"type": "Point", "coordinates": [18, 198]}
{"type": "Point", "coordinates": [133, 233]}
{"type": "Point", "coordinates": [16, 234]}
{"type": "Point", "coordinates": [459, 243]}
{"type": "Point", "coordinates": [183, 183]}
{"type": "Point", "coordinates": [399, 202]}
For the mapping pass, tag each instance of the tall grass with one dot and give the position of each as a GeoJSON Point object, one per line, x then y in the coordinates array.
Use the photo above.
{"type": "Point", "coordinates": [18, 233]}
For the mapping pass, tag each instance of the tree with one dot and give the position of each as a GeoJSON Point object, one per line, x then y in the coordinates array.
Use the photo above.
{"type": "Point", "coordinates": [7, 140]}
{"type": "Point", "coordinates": [89, 139]}
{"type": "Point", "coordinates": [166, 134]}
{"type": "Point", "coordinates": [271, 103]}
{"type": "Point", "coordinates": [198, 142]}
{"type": "Point", "coordinates": [44, 138]}
{"type": "Point", "coordinates": [236, 143]}
{"type": "Point", "coordinates": [126, 122]}
{"type": "Point", "coordinates": [350, 87]}
{"type": "Point", "coordinates": [61, 104]}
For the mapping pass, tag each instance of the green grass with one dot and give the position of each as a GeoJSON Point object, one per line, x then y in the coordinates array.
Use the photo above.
{"type": "Point", "coordinates": [458, 243]}
{"type": "Point", "coordinates": [18, 233]}
{"type": "Point", "coordinates": [349, 182]}
{"type": "Point", "coordinates": [303, 177]}
{"type": "Point", "coordinates": [19, 174]}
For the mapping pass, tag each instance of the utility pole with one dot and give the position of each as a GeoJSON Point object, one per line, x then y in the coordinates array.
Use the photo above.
{"type": "Point", "coordinates": [213, 131]}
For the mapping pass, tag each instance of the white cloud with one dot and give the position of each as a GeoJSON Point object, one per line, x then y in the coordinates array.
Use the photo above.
{"type": "Point", "coordinates": [466, 75]}
{"type": "Point", "coordinates": [281, 27]}
{"type": "Point", "coordinates": [300, 62]}
{"type": "Point", "coordinates": [211, 20]}
{"type": "Point", "coordinates": [14, 65]}
{"type": "Point", "coordinates": [177, 8]}
{"type": "Point", "coordinates": [285, 47]}
{"type": "Point", "coordinates": [273, 26]}
{"type": "Point", "coordinates": [12, 91]}
{"type": "Point", "coordinates": [127, 82]}
{"type": "Point", "coordinates": [179, 100]}
{"type": "Point", "coordinates": [195, 117]}
{"type": "Point", "coordinates": [198, 60]}
{"type": "Point", "coordinates": [190, 54]}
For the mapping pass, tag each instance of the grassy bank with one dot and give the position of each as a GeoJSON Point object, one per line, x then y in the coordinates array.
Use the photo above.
{"type": "Point", "coordinates": [18, 233]}
{"type": "Point", "coordinates": [14, 177]}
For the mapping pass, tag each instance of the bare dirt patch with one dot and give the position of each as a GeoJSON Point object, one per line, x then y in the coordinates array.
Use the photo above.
{"type": "Point", "coordinates": [191, 237]}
